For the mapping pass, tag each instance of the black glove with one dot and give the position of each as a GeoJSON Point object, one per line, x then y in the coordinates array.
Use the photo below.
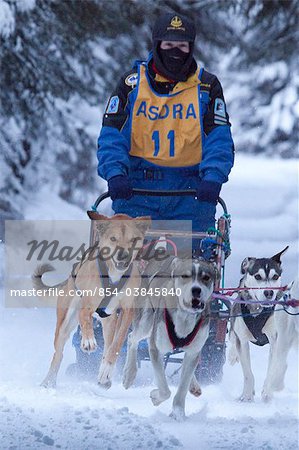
{"type": "Point", "coordinates": [120, 187]}
{"type": "Point", "coordinates": [208, 191]}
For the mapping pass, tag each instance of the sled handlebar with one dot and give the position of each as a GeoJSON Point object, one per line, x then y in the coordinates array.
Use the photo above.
{"type": "Point", "coordinates": [163, 193]}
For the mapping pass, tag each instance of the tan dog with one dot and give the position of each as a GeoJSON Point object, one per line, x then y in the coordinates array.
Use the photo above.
{"type": "Point", "coordinates": [120, 238]}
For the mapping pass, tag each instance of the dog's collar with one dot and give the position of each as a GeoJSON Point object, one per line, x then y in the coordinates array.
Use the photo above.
{"type": "Point", "coordinates": [177, 342]}
{"type": "Point", "coordinates": [109, 286]}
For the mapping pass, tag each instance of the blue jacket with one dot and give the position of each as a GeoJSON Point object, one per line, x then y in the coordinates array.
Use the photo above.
{"type": "Point", "coordinates": [115, 138]}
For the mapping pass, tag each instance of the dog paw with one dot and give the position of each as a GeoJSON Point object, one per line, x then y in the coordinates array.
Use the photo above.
{"type": "Point", "coordinates": [48, 383]}
{"type": "Point", "coordinates": [157, 397]}
{"type": "Point", "coordinates": [266, 397]}
{"type": "Point", "coordinates": [194, 388]}
{"type": "Point", "coordinates": [88, 345]}
{"type": "Point", "coordinates": [178, 414]}
{"type": "Point", "coordinates": [106, 385]}
{"type": "Point", "coordinates": [105, 375]}
{"type": "Point", "coordinates": [246, 398]}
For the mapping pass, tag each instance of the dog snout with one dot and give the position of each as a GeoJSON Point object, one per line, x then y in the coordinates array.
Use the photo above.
{"type": "Point", "coordinates": [268, 294]}
{"type": "Point", "coordinates": [123, 255]}
{"type": "Point", "coordinates": [196, 291]}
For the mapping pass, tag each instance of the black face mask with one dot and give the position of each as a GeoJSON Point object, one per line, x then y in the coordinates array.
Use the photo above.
{"type": "Point", "coordinates": [173, 63]}
{"type": "Point", "coordinates": [173, 59]}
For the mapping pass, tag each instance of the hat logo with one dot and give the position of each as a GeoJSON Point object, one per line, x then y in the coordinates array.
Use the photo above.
{"type": "Point", "coordinates": [176, 22]}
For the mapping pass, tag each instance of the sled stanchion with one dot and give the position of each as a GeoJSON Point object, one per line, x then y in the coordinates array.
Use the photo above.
{"type": "Point", "coordinates": [222, 203]}
{"type": "Point", "coordinates": [99, 200]}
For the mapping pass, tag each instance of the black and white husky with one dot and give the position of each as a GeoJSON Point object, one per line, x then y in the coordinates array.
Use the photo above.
{"type": "Point", "coordinates": [173, 322]}
{"type": "Point", "coordinates": [253, 321]}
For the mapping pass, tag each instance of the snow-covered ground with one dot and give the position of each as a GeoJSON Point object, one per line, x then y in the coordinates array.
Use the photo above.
{"type": "Point", "coordinates": [262, 197]}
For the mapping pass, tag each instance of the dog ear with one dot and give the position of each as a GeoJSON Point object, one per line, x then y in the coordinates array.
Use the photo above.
{"type": "Point", "coordinates": [279, 255]}
{"type": "Point", "coordinates": [143, 223]}
{"type": "Point", "coordinates": [94, 215]}
{"type": "Point", "coordinates": [246, 263]}
{"type": "Point", "coordinates": [102, 223]}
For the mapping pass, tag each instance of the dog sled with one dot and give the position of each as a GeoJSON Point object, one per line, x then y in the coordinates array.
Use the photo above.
{"type": "Point", "coordinates": [215, 246]}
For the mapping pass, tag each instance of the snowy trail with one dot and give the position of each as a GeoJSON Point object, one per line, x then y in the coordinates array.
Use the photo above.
{"type": "Point", "coordinates": [81, 416]}
{"type": "Point", "coordinates": [263, 199]}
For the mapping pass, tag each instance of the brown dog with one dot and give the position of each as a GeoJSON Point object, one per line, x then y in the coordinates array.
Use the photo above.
{"type": "Point", "coordinates": [112, 261]}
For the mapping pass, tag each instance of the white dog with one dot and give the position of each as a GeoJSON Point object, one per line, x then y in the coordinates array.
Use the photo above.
{"type": "Point", "coordinates": [253, 322]}
{"type": "Point", "coordinates": [286, 324]}
{"type": "Point", "coordinates": [174, 322]}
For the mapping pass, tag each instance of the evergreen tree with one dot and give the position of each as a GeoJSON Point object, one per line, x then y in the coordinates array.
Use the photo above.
{"type": "Point", "coordinates": [61, 58]}
{"type": "Point", "coordinates": [264, 67]}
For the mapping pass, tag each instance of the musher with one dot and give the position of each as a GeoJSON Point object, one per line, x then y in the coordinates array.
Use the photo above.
{"type": "Point", "coordinates": [166, 127]}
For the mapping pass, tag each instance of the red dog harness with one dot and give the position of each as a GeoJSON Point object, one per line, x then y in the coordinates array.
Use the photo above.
{"type": "Point", "coordinates": [176, 341]}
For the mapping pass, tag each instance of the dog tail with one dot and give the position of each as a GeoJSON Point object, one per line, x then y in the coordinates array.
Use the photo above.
{"type": "Point", "coordinates": [37, 282]}
{"type": "Point", "coordinates": [233, 356]}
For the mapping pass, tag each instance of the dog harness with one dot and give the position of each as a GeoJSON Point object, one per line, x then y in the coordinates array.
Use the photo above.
{"type": "Point", "coordinates": [109, 286]}
{"type": "Point", "coordinates": [255, 324]}
{"type": "Point", "coordinates": [176, 341]}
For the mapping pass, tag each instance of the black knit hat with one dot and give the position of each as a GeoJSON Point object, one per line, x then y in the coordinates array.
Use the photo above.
{"type": "Point", "coordinates": [174, 27]}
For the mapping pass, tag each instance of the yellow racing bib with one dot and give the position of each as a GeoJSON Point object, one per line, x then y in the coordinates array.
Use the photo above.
{"type": "Point", "coordinates": [166, 129]}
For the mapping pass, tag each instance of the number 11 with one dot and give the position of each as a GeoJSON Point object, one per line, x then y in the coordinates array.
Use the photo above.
{"type": "Point", "coordinates": [170, 137]}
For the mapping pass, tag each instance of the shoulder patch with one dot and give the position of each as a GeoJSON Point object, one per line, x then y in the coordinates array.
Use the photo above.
{"type": "Point", "coordinates": [219, 109]}
{"type": "Point", "coordinates": [220, 112]}
{"type": "Point", "coordinates": [112, 106]}
{"type": "Point", "coordinates": [132, 79]}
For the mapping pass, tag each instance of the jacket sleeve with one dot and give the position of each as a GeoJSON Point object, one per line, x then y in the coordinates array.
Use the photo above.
{"type": "Point", "coordinates": [218, 147]}
{"type": "Point", "coordinates": [114, 139]}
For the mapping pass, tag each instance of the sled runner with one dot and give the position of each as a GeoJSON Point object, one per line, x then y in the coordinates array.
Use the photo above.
{"type": "Point", "coordinates": [214, 246]}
